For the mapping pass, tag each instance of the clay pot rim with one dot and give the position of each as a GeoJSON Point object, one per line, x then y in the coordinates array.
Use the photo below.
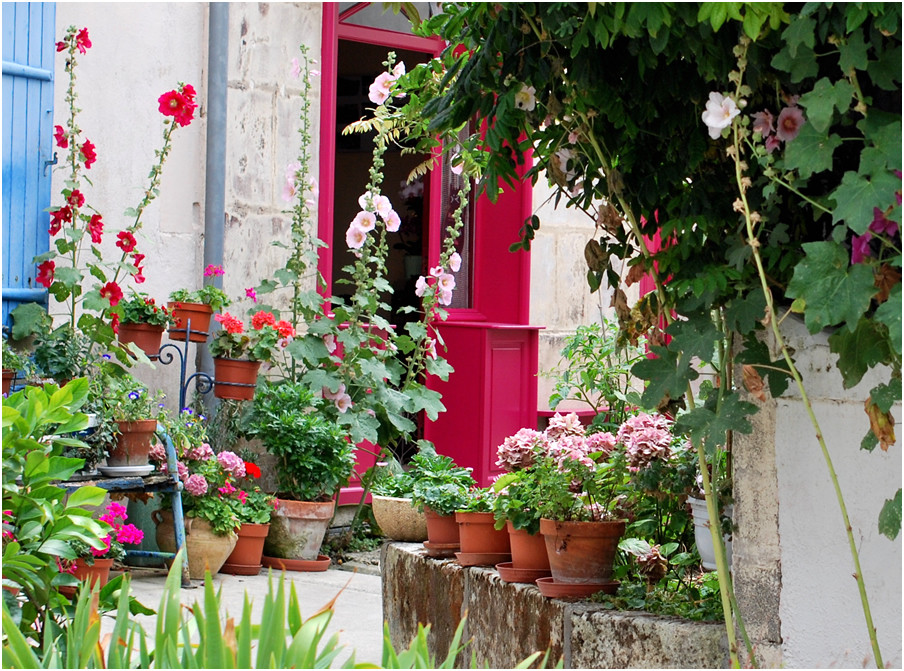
{"type": "Point", "coordinates": [472, 517]}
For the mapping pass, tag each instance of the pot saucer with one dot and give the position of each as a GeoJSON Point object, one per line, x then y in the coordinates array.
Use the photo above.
{"type": "Point", "coordinates": [126, 471]}
{"type": "Point", "coordinates": [574, 590]}
{"type": "Point", "coordinates": [322, 563]}
{"type": "Point", "coordinates": [509, 573]}
{"type": "Point", "coordinates": [441, 550]}
{"type": "Point", "coordinates": [481, 558]}
{"type": "Point", "coordinates": [241, 569]}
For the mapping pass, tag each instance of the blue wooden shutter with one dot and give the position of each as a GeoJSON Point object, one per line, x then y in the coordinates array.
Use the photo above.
{"type": "Point", "coordinates": [28, 150]}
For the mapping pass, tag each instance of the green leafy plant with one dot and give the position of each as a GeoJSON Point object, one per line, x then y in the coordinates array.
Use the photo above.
{"type": "Point", "coordinates": [314, 456]}
{"type": "Point", "coordinates": [393, 482]}
{"type": "Point", "coordinates": [480, 500]}
{"type": "Point", "coordinates": [140, 308]}
{"type": "Point", "coordinates": [438, 483]}
{"type": "Point", "coordinates": [208, 294]}
{"type": "Point", "coordinates": [12, 359]}
{"type": "Point", "coordinates": [128, 399]}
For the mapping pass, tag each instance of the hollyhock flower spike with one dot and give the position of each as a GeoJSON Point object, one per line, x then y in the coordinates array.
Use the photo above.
{"type": "Point", "coordinates": [87, 151]}
{"type": "Point", "coordinates": [720, 112]}
{"type": "Point", "coordinates": [82, 41]}
{"type": "Point", "coordinates": [364, 220]}
{"type": "Point", "coordinates": [763, 123]}
{"type": "Point", "coordinates": [380, 90]}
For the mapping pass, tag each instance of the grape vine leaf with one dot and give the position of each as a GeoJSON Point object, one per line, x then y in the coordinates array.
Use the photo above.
{"type": "Point", "coordinates": [668, 375]}
{"type": "Point", "coordinates": [833, 292]}
{"type": "Point", "coordinates": [821, 102]}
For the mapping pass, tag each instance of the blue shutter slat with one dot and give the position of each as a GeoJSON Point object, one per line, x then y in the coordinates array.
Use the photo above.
{"type": "Point", "coordinates": [28, 62]}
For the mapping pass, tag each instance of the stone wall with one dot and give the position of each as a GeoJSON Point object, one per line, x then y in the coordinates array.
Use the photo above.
{"type": "Point", "coordinates": [507, 622]}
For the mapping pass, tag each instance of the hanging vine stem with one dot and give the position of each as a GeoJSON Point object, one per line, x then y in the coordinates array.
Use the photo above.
{"type": "Point", "coordinates": [772, 317]}
{"type": "Point", "coordinates": [726, 590]}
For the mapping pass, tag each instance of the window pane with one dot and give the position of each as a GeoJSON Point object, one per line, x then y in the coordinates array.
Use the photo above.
{"type": "Point", "coordinates": [461, 297]}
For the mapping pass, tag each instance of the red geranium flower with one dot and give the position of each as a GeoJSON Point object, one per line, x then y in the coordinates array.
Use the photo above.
{"type": "Point", "coordinates": [125, 241]}
{"type": "Point", "coordinates": [230, 323]}
{"type": "Point", "coordinates": [76, 198]}
{"type": "Point", "coordinates": [262, 319]}
{"type": "Point", "coordinates": [285, 329]}
{"type": "Point", "coordinates": [82, 41]}
{"type": "Point", "coordinates": [252, 470]}
{"type": "Point", "coordinates": [87, 150]}
{"type": "Point", "coordinates": [59, 134]}
{"type": "Point", "coordinates": [112, 293]}
{"type": "Point", "coordinates": [45, 273]}
{"type": "Point", "coordinates": [96, 228]}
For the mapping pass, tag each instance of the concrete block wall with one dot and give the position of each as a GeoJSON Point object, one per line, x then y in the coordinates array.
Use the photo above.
{"type": "Point", "coordinates": [507, 622]}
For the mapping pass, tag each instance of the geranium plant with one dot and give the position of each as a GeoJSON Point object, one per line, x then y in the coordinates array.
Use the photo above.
{"type": "Point", "coordinates": [232, 341]}
{"type": "Point", "coordinates": [128, 399]}
{"type": "Point", "coordinates": [78, 228]}
{"type": "Point", "coordinates": [208, 294]}
{"type": "Point", "coordinates": [139, 308]}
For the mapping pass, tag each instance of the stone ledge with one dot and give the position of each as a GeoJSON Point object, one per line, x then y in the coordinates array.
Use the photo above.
{"type": "Point", "coordinates": [507, 622]}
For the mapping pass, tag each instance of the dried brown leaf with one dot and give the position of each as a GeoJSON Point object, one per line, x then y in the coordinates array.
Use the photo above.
{"type": "Point", "coordinates": [882, 424]}
{"type": "Point", "coordinates": [886, 279]}
{"type": "Point", "coordinates": [635, 274]}
{"type": "Point", "coordinates": [753, 382]}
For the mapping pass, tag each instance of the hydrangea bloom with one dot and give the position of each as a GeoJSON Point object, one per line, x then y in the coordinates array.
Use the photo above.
{"type": "Point", "coordinates": [196, 485]}
{"type": "Point", "coordinates": [519, 450]}
{"type": "Point", "coordinates": [232, 463]}
{"type": "Point", "coordinates": [568, 425]}
{"type": "Point", "coordinates": [646, 438]}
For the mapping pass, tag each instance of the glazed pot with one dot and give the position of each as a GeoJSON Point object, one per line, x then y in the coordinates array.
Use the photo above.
{"type": "Point", "coordinates": [133, 443]}
{"type": "Point", "coordinates": [193, 316]}
{"type": "Point", "coordinates": [205, 549]}
{"type": "Point", "coordinates": [297, 529]}
{"type": "Point", "coordinates": [581, 552]}
{"type": "Point", "coordinates": [478, 535]}
{"type": "Point", "coordinates": [146, 337]}
{"type": "Point", "coordinates": [528, 550]}
{"type": "Point", "coordinates": [398, 519]}
{"type": "Point", "coordinates": [235, 378]}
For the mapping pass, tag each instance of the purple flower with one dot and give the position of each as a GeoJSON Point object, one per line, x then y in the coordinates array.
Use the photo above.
{"type": "Point", "coordinates": [860, 247]}
{"type": "Point", "coordinates": [882, 225]}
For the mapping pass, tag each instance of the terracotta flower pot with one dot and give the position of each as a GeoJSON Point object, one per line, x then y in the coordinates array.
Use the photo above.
{"type": "Point", "coordinates": [297, 529]}
{"type": "Point", "coordinates": [133, 443]}
{"type": "Point", "coordinates": [441, 529]}
{"type": "Point", "coordinates": [246, 556]}
{"type": "Point", "coordinates": [193, 316]}
{"type": "Point", "coordinates": [205, 549]}
{"type": "Point", "coordinates": [235, 378]}
{"type": "Point", "coordinates": [8, 376]}
{"type": "Point", "coordinates": [146, 337]}
{"type": "Point", "coordinates": [478, 534]}
{"type": "Point", "coordinates": [98, 573]}
{"type": "Point", "coordinates": [581, 552]}
{"type": "Point", "coordinates": [398, 519]}
{"type": "Point", "coordinates": [528, 550]}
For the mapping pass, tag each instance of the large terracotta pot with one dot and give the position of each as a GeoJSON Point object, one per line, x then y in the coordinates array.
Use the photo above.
{"type": "Point", "coordinates": [528, 550]}
{"type": "Point", "coordinates": [205, 549]}
{"type": "Point", "coordinates": [441, 529]}
{"type": "Point", "coordinates": [133, 443]}
{"type": "Point", "coordinates": [398, 519]}
{"type": "Point", "coordinates": [235, 378]}
{"type": "Point", "coordinates": [195, 316]}
{"type": "Point", "coordinates": [477, 534]}
{"type": "Point", "coordinates": [146, 337]}
{"type": "Point", "coordinates": [581, 552]}
{"type": "Point", "coordinates": [297, 529]}
{"type": "Point", "coordinates": [246, 556]}
{"type": "Point", "coordinates": [99, 573]}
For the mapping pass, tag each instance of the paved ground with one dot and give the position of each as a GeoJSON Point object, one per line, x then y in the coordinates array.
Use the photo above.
{"type": "Point", "coordinates": [358, 610]}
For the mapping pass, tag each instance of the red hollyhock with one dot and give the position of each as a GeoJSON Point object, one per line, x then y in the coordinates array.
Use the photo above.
{"type": "Point", "coordinates": [262, 319]}
{"type": "Point", "coordinates": [59, 134]}
{"type": "Point", "coordinates": [45, 273]}
{"type": "Point", "coordinates": [76, 198]}
{"type": "Point", "coordinates": [114, 323]}
{"type": "Point", "coordinates": [61, 46]}
{"type": "Point", "coordinates": [82, 41]}
{"type": "Point", "coordinates": [252, 470]}
{"type": "Point", "coordinates": [138, 276]}
{"type": "Point", "coordinates": [178, 106]}
{"type": "Point", "coordinates": [58, 218]}
{"type": "Point", "coordinates": [125, 241]}
{"type": "Point", "coordinates": [189, 92]}
{"type": "Point", "coordinates": [112, 293]}
{"type": "Point", "coordinates": [87, 150]}
{"type": "Point", "coordinates": [96, 228]}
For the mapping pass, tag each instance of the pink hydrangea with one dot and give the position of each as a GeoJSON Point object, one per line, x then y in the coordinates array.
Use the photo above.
{"type": "Point", "coordinates": [157, 452]}
{"type": "Point", "coordinates": [201, 452]}
{"type": "Point", "coordinates": [603, 442]}
{"type": "Point", "coordinates": [568, 425]}
{"type": "Point", "coordinates": [519, 451]}
{"type": "Point", "coordinates": [232, 463]}
{"type": "Point", "coordinates": [196, 485]}
{"type": "Point", "coordinates": [571, 448]}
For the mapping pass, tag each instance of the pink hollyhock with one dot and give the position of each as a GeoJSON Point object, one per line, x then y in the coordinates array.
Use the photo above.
{"type": "Point", "coordinates": [789, 123]}
{"type": "Point", "coordinates": [763, 123]}
{"type": "Point", "coordinates": [82, 41]}
{"type": "Point", "coordinates": [45, 273]}
{"type": "Point", "coordinates": [343, 403]}
{"type": "Point", "coordinates": [76, 199]}
{"type": "Point", "coordinates": [87, 150]}
{"type": "Point", "coordinates": [214, 271]}
{"type": "Point", "coordinates": [59, 135]}
{"type": "Point", "coordinates": [196, 485]}
{"type": "Point", "coordinates": [393, 221]}
{"type": "Point", "coordinates": [379, 91]}
{"type": "Point", "coordinates": [430, 347]}
{"type": "Point", "coordinates": [720, 111]}
{"type": "Point", "coordinates": [860, 247]}
{"type": "Point", "coordinates": [355, 237]}
{"type": "Point", "coordinates": [332, 395]}
{"type": "Point", "coordinates": [126, 241]}
{"type": "Point", "coordinates": [112, 293]}
{"type": "Point", "coordinates": [445, 297]}
{"type": "Point", "coordinates": [96, 228]}
{"type": "Point", "coordinates": [772, 143]}
{"type": "Point", "coordinates": [455, 262]}
{"type": "Point", "coordinates": [296, 69]}
{"type": "Point", "coordinates": [382, 206]}
{"type": "Point", "coordinates": [262, 319]}
{"type": "Point", "coordinates": [329, 341]}
{"type": "Point", "coordinates": [366, 221]}
{"type": "Point", "coordinates": [251, 293]}
{"type": "Point", "coordinates": [420, 286]}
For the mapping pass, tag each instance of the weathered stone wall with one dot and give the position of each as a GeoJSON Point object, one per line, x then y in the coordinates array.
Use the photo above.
{"type": "Point", "coordinates": [507, 622]}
